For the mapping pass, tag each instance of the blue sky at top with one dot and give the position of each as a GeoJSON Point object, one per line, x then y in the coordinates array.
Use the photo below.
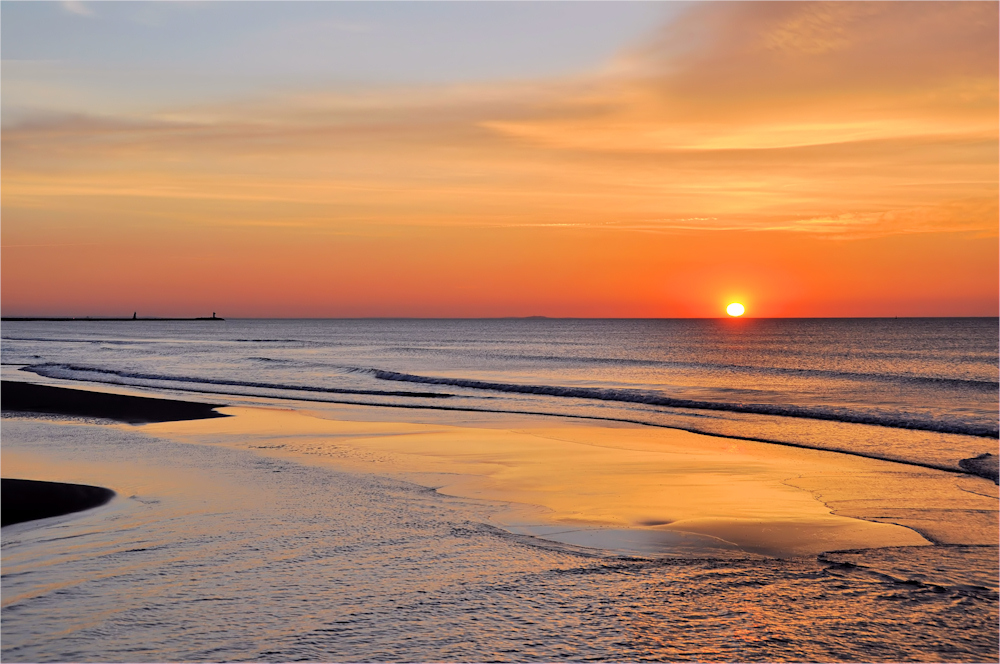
{"type": "Point", "coordinates": [106, 57]}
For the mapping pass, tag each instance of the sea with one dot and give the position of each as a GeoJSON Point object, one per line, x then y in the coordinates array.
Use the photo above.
{"type": "Point", "coordinates": [320, 565]}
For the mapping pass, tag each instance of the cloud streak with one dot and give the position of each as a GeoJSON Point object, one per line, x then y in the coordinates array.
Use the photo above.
{"type": "Point", "coordinates": [821, 118]}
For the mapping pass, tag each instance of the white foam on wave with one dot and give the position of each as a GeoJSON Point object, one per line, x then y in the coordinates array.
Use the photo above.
{"type": "Point", "coordinates": [896, 420]}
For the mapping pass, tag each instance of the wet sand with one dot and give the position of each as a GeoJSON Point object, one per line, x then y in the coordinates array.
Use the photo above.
{"type": "Point", "coordinates": [623, 488]}
{"type": "Point", "coordinates": [984, 465]}
{"type": "Point", "coordinates": [28, 500]}
{"type": "Point", "coordinates": [30, 397]}
{"type": "Point", "coordinates": [223, 550]}
{"type": "Point", "coordinates": [630, 489]}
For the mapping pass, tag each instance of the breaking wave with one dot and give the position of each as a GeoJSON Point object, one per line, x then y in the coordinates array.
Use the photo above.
{"type": "Point", "coordinates": [894, 420]}
{"type": "Point", "coordinates": [72, 372]}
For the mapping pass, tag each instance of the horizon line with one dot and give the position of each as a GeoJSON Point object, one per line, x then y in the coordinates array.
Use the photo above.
{"type": "Point", "coordinates": [97, 319]}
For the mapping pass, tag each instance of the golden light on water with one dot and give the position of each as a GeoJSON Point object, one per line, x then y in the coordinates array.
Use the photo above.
{"type": "Point", "coordinates": [735, 309]}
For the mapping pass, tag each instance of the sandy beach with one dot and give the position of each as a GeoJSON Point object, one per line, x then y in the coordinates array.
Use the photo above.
{"type": "Point", "coordinates": [632, 489]}
{"type": "Point", "coordinates": [319, 515]}
{"type": "Point", "coordinates": [29, 500]}
{"type": "Point", "coordinates": [615, 487]}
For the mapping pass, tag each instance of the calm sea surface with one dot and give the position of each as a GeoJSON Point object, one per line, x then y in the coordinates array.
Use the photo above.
{"type": "Point", "coordinates": [319, 565]}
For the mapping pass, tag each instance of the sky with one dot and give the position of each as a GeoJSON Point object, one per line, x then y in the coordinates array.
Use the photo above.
{"type": "Point", "coordinates": [463, 159]}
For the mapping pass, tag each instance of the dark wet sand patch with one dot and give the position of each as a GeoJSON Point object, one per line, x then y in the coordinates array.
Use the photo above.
{"type": "Point", "coordinates": [984, 465]}
{"type": "Point", "coordinates": [27, 500]}
{"type": "Point", "coordinates": [29, 397]}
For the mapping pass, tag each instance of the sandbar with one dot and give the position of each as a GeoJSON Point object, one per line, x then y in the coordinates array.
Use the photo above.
{"type": "Point", "coordinates": [16, 396]}
{"type": "Point", "coordinates": [28, 500]}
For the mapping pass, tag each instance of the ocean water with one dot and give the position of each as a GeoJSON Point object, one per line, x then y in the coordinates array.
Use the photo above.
{"type": "Point", "coordinates": [923, 391]}
{"type": "Point", "coordinates": [221, 554]}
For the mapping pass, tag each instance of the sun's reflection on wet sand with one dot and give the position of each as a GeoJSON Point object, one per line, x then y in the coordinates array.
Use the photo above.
{"type": "Point", "coordinates": [625, 488]}
{"type": "Point", "coordinates": [275, 535]}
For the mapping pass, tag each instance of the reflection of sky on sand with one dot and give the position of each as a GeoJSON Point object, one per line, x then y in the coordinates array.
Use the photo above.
{"type": "Point", "coordinates": [275, 536]}
{"type": "Point", "coordinates": [622, 488]}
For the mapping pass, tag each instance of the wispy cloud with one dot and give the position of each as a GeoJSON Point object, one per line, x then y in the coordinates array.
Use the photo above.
{"type": "Point", "coordinates": [853, 119]}
{"type": "Point", "coordinates": [77, 7]}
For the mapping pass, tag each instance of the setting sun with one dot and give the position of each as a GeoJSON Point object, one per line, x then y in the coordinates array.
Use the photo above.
{"type": "Point", "coordinates": [735, 309]}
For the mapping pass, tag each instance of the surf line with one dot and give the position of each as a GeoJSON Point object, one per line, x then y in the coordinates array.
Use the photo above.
{"type": "Point", "coordinates": [44, 370]}
{"type": "Point", "coordinates": [629, 396]}
{"type": "Point", "coordinates": [612, 396]}
{"type": "Point", "coordinates": [469, 409]}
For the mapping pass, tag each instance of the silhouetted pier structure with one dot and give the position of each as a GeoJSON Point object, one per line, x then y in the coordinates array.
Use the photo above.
{"type": "Point", "coordinates": [95, 319]}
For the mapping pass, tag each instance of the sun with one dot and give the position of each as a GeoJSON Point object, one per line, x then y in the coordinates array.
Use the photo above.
{"type": "Point", "coordinates": [735, 309]}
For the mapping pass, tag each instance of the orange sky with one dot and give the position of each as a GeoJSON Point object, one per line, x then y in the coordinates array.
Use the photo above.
{"type": "Point", "coordinates": [807, 159]}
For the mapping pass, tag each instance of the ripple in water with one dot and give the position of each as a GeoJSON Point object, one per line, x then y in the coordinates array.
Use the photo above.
{"type": "Point", "coordinates": [219, 554]}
